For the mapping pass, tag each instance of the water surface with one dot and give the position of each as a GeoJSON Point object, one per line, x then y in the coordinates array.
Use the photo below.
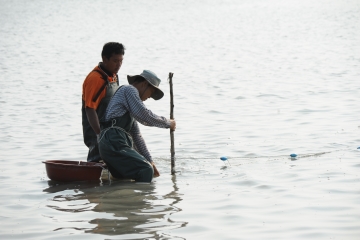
{"type": "Point", "coordinates": [253, 80]}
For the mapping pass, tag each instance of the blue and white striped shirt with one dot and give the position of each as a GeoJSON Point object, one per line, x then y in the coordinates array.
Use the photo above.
{"type": "Point", "coordinates": [127, 99]}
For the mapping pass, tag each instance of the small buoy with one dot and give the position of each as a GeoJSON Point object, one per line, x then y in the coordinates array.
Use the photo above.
{"type": "Point", "coordinates": [358, 147]}
{"type": "Point", "coordinates": [223, 158]}
{"type": "Point", "coordinates": [293, 155]}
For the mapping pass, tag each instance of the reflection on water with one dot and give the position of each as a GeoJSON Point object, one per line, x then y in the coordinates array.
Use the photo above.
{"type": "Point", "coordinates": [133, 211]}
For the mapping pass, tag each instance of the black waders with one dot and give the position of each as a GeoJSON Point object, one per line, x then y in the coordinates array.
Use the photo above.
{"type": "Point", "coordinates": [89, 135]}
{"type": "Point", "coordinates": [116, 148]}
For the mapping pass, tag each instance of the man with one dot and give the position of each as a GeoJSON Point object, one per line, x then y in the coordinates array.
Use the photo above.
{"type": "Point", "coordinates": [98, 88]}
{"type": "Point", "coordinates": [121, 145]}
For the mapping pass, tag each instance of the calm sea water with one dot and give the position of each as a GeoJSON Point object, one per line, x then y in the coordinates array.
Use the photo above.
{"type": "Point", "coordinates": [253, 80]}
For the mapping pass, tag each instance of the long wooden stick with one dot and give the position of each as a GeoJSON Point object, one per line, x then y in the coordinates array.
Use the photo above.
{"type": "Point", "coordinates": [172, 149]}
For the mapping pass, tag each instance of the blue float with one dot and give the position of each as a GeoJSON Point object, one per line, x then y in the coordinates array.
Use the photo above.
{"type": "Point", "coordinates": [223, 158]}
{"type": "Point", "coordinates": [358, 147]}
{"type": "Point", "coordinates": [293, 155]}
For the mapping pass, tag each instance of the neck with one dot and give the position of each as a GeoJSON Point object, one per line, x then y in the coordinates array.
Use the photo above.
{"type": "Point", "coordinates": [103, 67]}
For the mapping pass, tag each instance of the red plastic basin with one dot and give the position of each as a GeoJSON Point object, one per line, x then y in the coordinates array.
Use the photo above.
{"type": "Point", "coordinates": [68, 171]}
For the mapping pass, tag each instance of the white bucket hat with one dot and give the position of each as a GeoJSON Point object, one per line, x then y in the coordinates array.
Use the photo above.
{"type": "Point", "coordinates": [151, 78]}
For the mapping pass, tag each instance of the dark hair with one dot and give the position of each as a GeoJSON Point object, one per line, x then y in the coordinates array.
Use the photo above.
{"type": "Point", "coordinates": [111, 48]}
{"type": "Point", "coordinates": [138, 79]}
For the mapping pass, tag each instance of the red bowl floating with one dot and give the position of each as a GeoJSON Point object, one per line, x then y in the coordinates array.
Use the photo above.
{"type": "Point", "coordinates": [68, 171]}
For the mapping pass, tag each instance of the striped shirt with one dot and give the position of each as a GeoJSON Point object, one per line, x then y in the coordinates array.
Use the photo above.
{"type": "Point", "coordinates": [127, 99]}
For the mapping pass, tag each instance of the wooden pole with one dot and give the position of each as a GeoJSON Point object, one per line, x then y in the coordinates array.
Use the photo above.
{"type": "Point", "coordinates": [172, 149]}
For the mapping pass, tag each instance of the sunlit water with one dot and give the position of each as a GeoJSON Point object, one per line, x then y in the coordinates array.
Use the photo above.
{"type": "Point", "coordinates": [253, 80]}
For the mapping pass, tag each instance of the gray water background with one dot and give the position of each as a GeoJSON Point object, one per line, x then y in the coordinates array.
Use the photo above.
{"type": "Point", "coordinates": [253, 80]}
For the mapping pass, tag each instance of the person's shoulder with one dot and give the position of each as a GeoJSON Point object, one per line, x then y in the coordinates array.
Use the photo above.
{"type": "Point", "coordinates": [93, 81]}
{"type": "Point", "coordinates": [129, 91]}
{"type": "Point", "coordinates": [129, 88]}
{"type": "Point", "coordinates": [94, 75]}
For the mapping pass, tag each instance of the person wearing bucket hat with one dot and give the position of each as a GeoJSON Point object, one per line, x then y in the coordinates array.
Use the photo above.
{"type": "Point", "coordinates": [121, 144]}
{"type": "Point", "coordinates": [152, 79]}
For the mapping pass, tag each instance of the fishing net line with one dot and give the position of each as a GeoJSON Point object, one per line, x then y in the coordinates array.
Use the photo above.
{"type": "Point", "coordinates": [269, 158]}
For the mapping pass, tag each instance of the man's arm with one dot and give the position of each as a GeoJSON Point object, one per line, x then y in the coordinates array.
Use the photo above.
{"type": "Point", "coordinates": [93, 119]}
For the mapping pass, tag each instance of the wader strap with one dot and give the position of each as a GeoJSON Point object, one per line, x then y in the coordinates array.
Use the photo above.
{"type": "Point", "coordinates": [105, 77]}
{"type": "Point", "coordinates": [113, 125]}
{"type": "Point", "coordinates": [114, 122]}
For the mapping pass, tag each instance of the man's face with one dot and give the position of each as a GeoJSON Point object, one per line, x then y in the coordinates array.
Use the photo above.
{"type": "Point", "coordinates": [114, 63]}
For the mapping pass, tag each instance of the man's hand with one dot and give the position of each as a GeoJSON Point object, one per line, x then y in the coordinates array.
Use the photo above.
{"type": "Point", "coordinates": [172, 124]}
{"type": "Point", "coordinates": [156, 172]}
